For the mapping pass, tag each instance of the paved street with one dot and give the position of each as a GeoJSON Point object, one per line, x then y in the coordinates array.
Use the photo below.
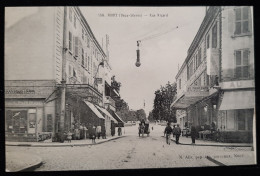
{"type": "Point", "coordinates": [135, 152]}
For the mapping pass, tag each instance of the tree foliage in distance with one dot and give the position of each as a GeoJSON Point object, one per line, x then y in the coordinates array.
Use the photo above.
{"type": "Point", "coordinates": [162, 102]}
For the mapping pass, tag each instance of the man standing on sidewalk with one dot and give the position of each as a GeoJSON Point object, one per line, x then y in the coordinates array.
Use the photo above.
{"type": "Point", "coordinates": [177, 133]}
{"type": "Point", "coordinates": [168, 131]}
{"type": "Point", "coordinates": [193, 133]}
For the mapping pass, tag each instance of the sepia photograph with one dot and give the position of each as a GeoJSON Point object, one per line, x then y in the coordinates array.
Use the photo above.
{"type": "Point", "coordinates": [91, 88]}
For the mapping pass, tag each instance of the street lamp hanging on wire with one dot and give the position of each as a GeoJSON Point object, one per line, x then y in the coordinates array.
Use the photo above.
{"type": "Point", "coordinates": [138, 63]}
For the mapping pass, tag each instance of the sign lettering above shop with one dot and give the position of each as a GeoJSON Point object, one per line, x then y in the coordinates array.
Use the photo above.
{"type": "Point", "coordinates": [238, 84]}
{"type": "Point", "coordinates": [25, 91]}
{"type": "Point", "coordinates": [198, 88]}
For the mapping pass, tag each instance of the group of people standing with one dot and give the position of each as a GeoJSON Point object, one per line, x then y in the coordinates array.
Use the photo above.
{"type": "Point", "coordinates": [176, 130]}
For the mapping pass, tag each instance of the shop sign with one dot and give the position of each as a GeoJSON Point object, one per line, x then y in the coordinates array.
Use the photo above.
{"type": "Point", "coordinates": [198, 88]}
{"type": "Point", "coordinates": [195, 91]}
{"type": "Point", "coordinates": [238, 84]}
{"type": "Point", "coordinates": [28, 92]}
{"type": "Point", "coordinates": [24, 91]}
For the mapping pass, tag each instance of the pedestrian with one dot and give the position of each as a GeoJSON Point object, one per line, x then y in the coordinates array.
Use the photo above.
{"type": "Point", "coordinates": [93, 134]}
{"type": "Point", "coordinates": [193, 134]}
{"type": "Point", "coordinates": [98, 131]}
{"type": "Point", "coordinates": [152, 128]}
{"type": "Point", "coordinates": [168, 131]}
{"type": "Point", "coordinates": [81, 132]}
{"type": "Point", "coordinates": [85, 131]}
{"type": "Point", "coordinates": [173, 131]}
{"type": "Point", "coordinates": [177, 133]}
{"type": "Point", "coordinates": [119, 130]}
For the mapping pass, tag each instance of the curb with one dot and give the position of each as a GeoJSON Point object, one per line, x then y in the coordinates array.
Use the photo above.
{"type": "Point", "coordinates": [213, 145]}
{"type": "Point", "coordinates": [61, 144]}
{"type": "Point", "coordinates": [31, 168]}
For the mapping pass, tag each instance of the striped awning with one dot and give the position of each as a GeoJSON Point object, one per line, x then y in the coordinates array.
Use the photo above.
{"type": "Point", "coordinates": [107, 113]}
{"type": "Point", "coordinates": [94, 109]}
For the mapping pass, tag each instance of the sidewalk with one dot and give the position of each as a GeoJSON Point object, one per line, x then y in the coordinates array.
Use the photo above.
{"type": "Point", "coordinates": [48, 143]}
{"type": "Point", "coordinates": [18, 162]}
{"type": "Point", "coordinates": [187, 141]}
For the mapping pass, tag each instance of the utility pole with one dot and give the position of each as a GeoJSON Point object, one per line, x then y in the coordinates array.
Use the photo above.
{"type": "Point", "coordinates": [63, 82]}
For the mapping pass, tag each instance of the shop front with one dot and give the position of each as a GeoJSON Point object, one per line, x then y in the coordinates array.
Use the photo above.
{"type": "Point", "coordinates": [29, 110]}
{"type": "Point", "coordinates": [235, 119]}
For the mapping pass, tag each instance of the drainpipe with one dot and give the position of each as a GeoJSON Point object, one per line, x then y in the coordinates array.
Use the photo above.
{"type": "Point", "coordinates": [63, 82]}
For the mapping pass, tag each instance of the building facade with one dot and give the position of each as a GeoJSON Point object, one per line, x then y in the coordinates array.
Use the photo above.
{"type": "Point", "coordinates": [213, 85]}
{"type": "Point", "coordinates": [53, 64]}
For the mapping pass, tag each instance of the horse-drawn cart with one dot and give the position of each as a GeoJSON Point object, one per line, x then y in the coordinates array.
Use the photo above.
{"type": "Point", "coordinates": [144, 128]}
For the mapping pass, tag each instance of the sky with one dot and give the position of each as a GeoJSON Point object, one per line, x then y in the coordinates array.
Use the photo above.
{"type": "Point", "coordinates": [159, 56]}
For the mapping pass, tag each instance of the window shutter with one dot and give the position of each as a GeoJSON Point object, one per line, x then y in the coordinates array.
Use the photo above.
{"type": "Point", "coordinates": [76, 46]}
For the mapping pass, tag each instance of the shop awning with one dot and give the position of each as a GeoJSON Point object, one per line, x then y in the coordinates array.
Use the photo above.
{"type": "Point", "coordinates": [191, 96]}
{"type": "Point", "coordinates": [107, 113]}
{"type": "Point", "coordinates": [120, 121]}
{"type": "Point", "coordinates": [238, 100]}
{"type": "Point", "coordinates": [94, 109]}
{"type": "Point", "coordinates": [186, 101]}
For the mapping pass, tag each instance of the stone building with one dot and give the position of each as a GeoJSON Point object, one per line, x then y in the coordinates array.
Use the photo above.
{"type": "Point", "coordinates": [53, 65]}
{"type": "Point", "coordinates": [215, 85]}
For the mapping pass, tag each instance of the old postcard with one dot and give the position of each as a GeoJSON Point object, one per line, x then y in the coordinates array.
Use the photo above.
{"type": "Point", "coordinates": [117, 87]}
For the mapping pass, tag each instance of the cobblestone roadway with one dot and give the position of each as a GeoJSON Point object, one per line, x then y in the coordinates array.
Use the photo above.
{"type": "Point", "coordinates": [130, 152]}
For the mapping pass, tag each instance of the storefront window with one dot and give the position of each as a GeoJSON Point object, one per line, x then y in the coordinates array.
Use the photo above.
{"type": "Point", "coordinates": [16, 121]}
{"type": "Point", "coordinates": [241, 119]}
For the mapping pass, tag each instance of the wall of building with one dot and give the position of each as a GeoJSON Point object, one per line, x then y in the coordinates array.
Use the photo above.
{"type": "Point", "coordinates": [29, 46]}
{"type": "Point", "coordinates": [232, 42]}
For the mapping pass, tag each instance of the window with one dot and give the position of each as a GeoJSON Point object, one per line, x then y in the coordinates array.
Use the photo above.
{"type": "Point", "coordinates": [241, 120]}
{"type": "Point", "coordinates": [76, 46]}
{"type": "Point", "coordinates": [70, 14]}
{"type": "Point", "coordinates": [75, 21]}
{"type": "Point", "coordinates": [190, 69]}
{"type": "Point", "coordinates": [83, 33]}
{"type": "Point", "coordinates": [242, 63]}
{"type": "Point", "coordinates": [74, 73]}
{"type": "Point", "coordinates": [196, 62]}
{"type": "Point", "coordinates": [208, 41]}
{"type": "Point", "coordinates": [199, 57]}
{"type": "Point", "coordinates": [179, 83]}
{"type": "Point", "coordinates": [16, 121]}
{"type": "Point", "coordinates": [214, 36]}
{"type": "Point", "coordinates": [70, 71]}
{"type": "Point", "coordinates": [241, 20]}
{"type": "Point", "coordinates": [88, 62]}
{"type": "Point", "coordinates": [49, 123]}
{"type": "Point", "coordinates": [70, 41]}
{"type": "Point", "coordinates": [82, 57]}
{"type": "Point", "coordinates": [88, 42]}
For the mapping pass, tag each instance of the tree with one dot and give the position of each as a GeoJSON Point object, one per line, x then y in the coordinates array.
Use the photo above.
{"type": "Point", "coordinates": [162, 103]}
{"type": "Point", "coordinates": [150, 116]}
{"type": "Point", "coordinates": [140, 114]}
